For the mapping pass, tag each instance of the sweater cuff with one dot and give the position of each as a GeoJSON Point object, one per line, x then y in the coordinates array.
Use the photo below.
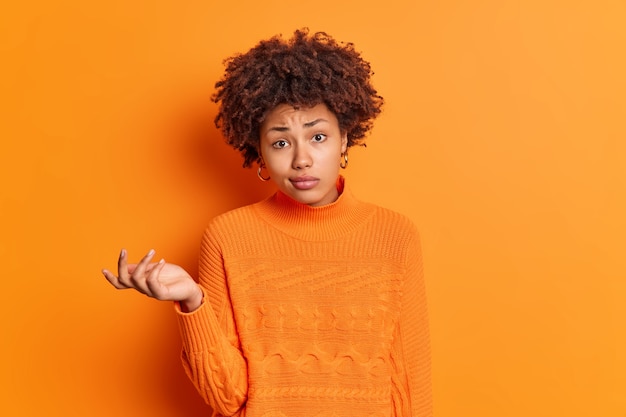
{"type": "Point", "coordinates": [199, 329]}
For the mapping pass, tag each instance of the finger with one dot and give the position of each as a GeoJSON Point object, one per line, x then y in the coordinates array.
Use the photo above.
{"type": "Point", "coordinates": [142, 283]}
{"type": "Point", "coordinates": [122, 266]}
{"type": "Point", "coordinates": [131, 268]}
{"type": "Point", "coordinates": [140, 270]}
{"type": "Point", "coordinates": [154, 286]}
{"type": "Point", "coordinates": [140, 273]}
{"type": "Point", "coordinates": [113, 280]}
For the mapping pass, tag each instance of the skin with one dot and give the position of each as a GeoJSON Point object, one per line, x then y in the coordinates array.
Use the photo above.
{"type": "Point", "coordinates": [161, 280]}
{"type": "Point", "coordinates": [301, 149]}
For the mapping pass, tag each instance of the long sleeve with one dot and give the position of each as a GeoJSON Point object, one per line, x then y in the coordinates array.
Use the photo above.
{"type": "Point", "coordinates": [211, 353]}
{"type": "Point", "coordinates": [411, 380]}
{"type": "Point", "coordinates": [310, 312]}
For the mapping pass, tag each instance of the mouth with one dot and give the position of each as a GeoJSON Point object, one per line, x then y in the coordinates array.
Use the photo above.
{"type": "Point", "coordinates": [304, 182]}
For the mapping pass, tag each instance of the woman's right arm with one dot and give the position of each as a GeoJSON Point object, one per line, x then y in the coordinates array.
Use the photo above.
{"type": "Point", "coordinates": [211, 352]}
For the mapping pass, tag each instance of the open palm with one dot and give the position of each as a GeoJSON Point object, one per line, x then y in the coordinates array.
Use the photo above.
{"type": "Point", "coordinates": [160, 280]}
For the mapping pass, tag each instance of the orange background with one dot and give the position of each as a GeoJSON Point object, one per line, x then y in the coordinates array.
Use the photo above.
{"type": "Point", "coordinates": [503, 138]}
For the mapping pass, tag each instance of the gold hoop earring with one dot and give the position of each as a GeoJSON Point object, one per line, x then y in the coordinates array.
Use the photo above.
{"type": "Point", "coordinates": [261, 177]}
{"type": "Point", "coordinates": [343, 164]}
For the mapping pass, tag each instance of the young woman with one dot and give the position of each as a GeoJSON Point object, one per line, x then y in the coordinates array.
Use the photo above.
{"type": "Point", "coordinates": [310, 302]}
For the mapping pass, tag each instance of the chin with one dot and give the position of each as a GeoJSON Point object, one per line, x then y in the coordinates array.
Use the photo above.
{"type": "Point", "coordinates": [305, 199]}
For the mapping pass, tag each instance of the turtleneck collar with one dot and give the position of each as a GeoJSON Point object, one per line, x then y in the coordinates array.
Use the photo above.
{"type": "Point", "coordinates": [304, 222]}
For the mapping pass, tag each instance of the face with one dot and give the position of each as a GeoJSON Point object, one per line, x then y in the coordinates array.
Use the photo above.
{"type": "Point", "coordinates": [301, 149]}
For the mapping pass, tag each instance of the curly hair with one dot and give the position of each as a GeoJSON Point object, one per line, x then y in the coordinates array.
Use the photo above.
{"type": "Point", "coordinates": [303, 71]}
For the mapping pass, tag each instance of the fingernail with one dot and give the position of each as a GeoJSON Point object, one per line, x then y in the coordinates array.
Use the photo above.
{"type": "Point", "coordinates": [151, 252]}
{"type": "Point", "coordinates": [162, 261]}
{"type": "Point", "coordinates": [123, 252]}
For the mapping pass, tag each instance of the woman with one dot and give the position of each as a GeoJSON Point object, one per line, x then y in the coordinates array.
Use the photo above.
{"type": "Point", "coordinates": [310, 302]}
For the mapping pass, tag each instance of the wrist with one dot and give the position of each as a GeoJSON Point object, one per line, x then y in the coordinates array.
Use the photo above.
{"type": "Point", "coordinates": [192, 303]}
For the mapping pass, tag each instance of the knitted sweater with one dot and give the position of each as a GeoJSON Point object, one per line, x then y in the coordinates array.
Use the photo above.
{"type": "Point", "coordinates": [310, 311]}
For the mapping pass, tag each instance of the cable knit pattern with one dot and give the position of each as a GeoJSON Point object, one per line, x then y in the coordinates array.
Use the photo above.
{"type": "Point", "coordinates": [310, 311]}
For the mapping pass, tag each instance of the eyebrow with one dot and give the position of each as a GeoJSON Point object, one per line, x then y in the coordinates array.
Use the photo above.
{"type": "Point", "coordinates": [306, 125]}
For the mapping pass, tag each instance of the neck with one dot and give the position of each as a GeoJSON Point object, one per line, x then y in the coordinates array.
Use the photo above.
{"type": "Point", "coordinates": [325, 222]}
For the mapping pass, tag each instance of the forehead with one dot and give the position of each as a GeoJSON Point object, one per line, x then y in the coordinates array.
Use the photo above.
{"type": "Point", "coordinates": [287, 114]}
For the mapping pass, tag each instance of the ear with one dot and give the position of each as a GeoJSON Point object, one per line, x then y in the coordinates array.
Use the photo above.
{"type": "Point", "coordinates": [259, 160]}
{"type": "Point", "coordinates": [344, 142]}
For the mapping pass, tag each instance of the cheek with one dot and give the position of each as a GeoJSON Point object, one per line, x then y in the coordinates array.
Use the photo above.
{"type": "Point", "coordinates": [276, 162]}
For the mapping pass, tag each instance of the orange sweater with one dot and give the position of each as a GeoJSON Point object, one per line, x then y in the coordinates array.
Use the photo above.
{"type": "Point", "coordinates": [310, 312]}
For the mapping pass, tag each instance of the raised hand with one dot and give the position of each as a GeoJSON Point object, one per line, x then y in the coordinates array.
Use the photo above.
{"type": "Point", "coordinates": [161, 280]}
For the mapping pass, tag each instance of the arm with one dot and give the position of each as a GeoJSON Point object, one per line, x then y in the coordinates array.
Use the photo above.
{"type": "Point", "coordinates": [411, 382]}
{"type": "Point", "coordinates": [210, 343]}
{"type": "Point", "coordinates": [211, 355]}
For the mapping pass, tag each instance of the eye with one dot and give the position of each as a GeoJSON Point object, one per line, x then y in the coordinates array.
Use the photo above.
{"type": "Point", "coordinates": [279, 144]}
{"type": "Point", "coordinates": [319, 137]}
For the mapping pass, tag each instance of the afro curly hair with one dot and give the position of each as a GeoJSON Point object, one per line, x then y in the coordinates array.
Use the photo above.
{"type": "Point", "coordinates": [303, 71]}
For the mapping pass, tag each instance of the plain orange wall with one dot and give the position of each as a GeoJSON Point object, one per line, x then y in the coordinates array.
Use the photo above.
{"type": "Point", "coordinates": [503, 138]}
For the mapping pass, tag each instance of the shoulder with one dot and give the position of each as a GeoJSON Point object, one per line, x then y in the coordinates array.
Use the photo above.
{"type": "Point", "coordinates": [395, 221]}
{"type": "Point", "coordinates": [238, 214]}
{"type": "Point", "coordinates": [233, 220]}
{"type": "Point", "coordinates": [240, 228]}
{"type": "Point", "coordinates": [392, 235]}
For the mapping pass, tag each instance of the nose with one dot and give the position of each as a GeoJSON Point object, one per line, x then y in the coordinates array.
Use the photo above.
{"type": "Point", "coordinates": [301, 157]}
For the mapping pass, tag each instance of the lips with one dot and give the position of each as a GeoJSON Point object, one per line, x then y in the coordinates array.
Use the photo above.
{"type": "Point", "coordinates": [304, 182]}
